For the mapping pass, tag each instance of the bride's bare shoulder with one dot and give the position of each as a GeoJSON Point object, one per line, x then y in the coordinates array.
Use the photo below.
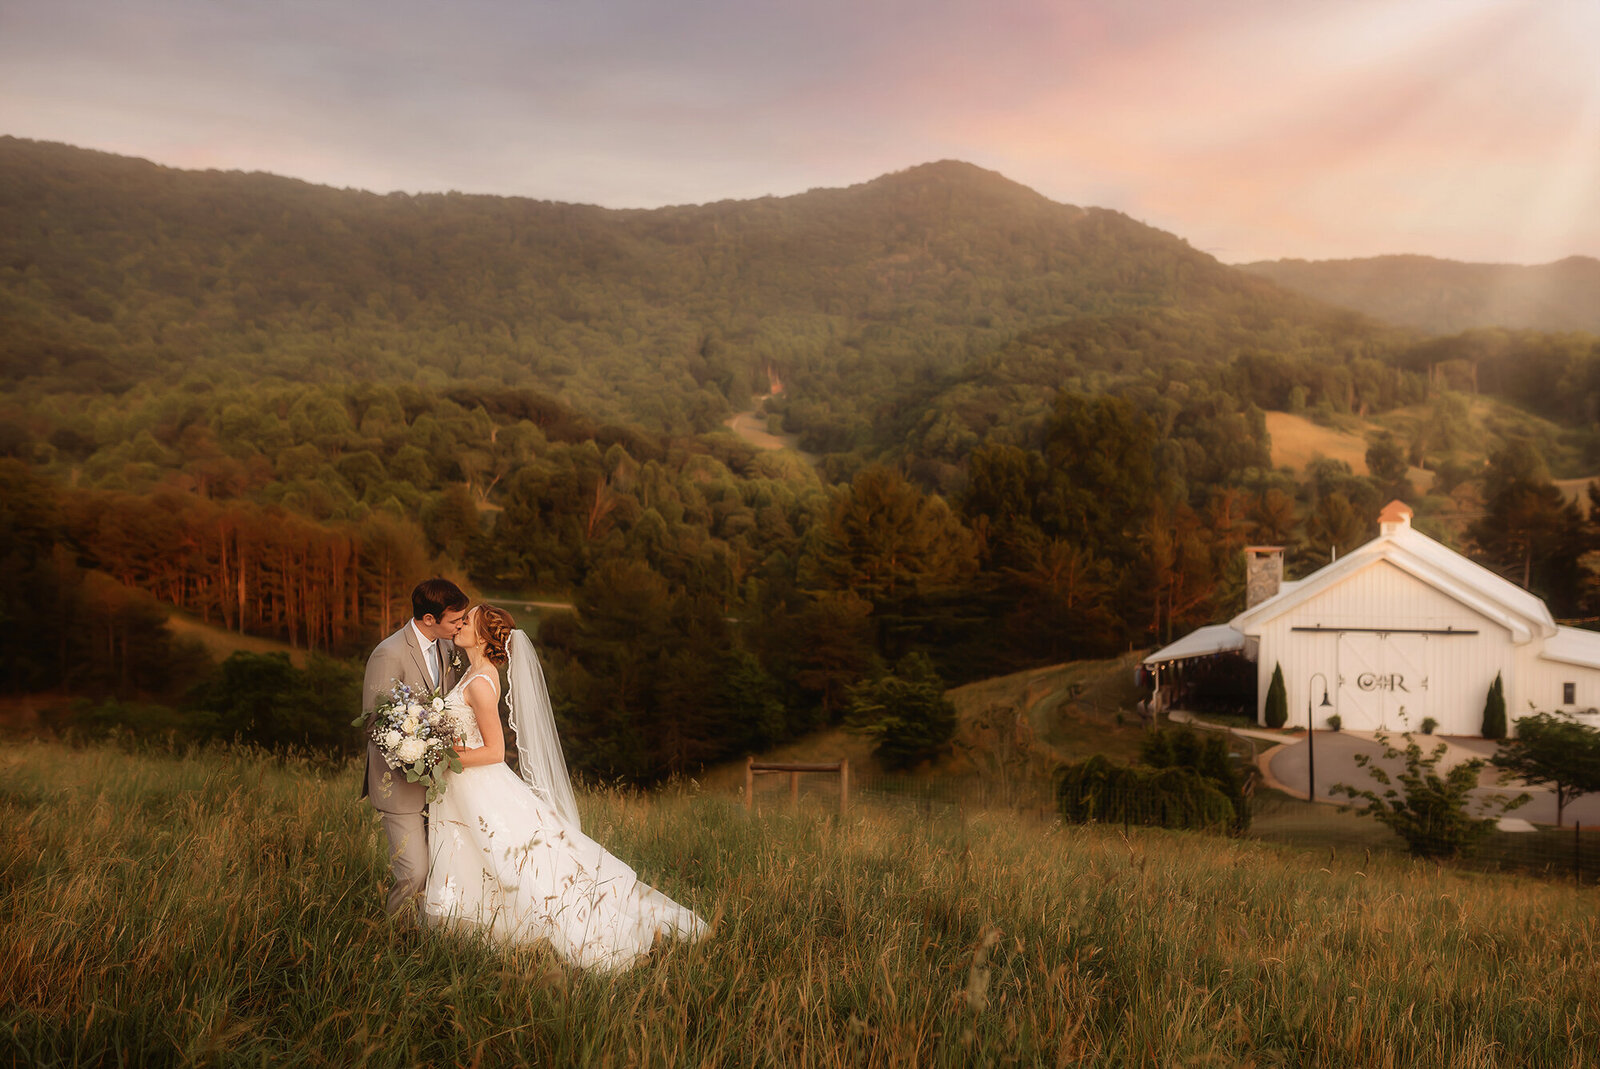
{"type": "Point", "coordinates": [484, 684]}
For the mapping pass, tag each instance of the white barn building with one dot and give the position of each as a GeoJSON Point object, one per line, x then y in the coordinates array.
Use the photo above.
{"type": "Point", "coordinates": [1404, 623]}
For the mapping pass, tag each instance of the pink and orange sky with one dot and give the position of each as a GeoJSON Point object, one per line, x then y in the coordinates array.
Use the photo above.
{"type": "Point", "coordinates": [1255, 129]}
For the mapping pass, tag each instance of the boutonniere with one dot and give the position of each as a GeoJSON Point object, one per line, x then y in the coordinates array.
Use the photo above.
{"type": "Point", "coordinates": [457, 662]}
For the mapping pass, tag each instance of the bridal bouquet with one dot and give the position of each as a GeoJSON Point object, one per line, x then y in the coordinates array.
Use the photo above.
{"type": "Point", "coordinates": [414, 732]}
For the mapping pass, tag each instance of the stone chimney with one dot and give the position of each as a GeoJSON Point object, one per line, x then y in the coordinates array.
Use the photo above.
{"type": "Point", "coordinates": [1396, 516]}
{"type": "Point", "coordinates": [1263, 573]}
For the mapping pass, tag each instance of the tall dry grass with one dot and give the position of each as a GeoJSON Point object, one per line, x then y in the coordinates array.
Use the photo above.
{"type": "Point", "coordinates": [223, 908]}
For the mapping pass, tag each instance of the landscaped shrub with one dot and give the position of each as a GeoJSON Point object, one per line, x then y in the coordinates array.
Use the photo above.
{"type": "Point", "coordinates": [1494, 710]}
{"type": "Point", "coordinates": [1429, 725]}
{"type": "Point", "coordinates": [1099, 790]}
{"type": "Point", "coordinates": [1208, 754]}
{"type": "Point", "coordinates": [1335, 722]}
{"type": "Point", "coordinates": [1277, 699]}
{"type": "Point", "coordinates": [1425, 806]}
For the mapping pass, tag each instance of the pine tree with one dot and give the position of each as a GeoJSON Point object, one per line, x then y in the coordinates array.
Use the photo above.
{"type": "Point", "coordinates": [1277, 699]}
{"type": "Point", "coordinates": [905, 712]}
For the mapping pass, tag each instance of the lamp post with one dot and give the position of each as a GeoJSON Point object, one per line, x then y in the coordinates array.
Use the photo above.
{"type": "Point", "coordinates": [1311, 732]}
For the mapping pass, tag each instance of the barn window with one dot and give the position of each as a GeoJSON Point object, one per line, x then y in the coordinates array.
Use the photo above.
{"type": "Point", "coordinates": [1569, 693]}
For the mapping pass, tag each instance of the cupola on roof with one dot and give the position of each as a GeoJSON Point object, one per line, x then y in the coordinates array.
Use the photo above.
{"type": "Point", "coordinates": [1396, 515]}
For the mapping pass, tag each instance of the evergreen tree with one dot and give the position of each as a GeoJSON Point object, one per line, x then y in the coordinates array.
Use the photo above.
{"type": "Point", "coordinates": [1529, 531]}
{"type": "Point", "coordinates": [1277, 699]}
{"type": "Point", "coordinates": [1102, 471]}
{"type": "Point", "coordinates": [1386, 460]}
{"type": "Point", "coordinates": [1494, 710]}
{"type": "Point", "coordinates": [905, 712]}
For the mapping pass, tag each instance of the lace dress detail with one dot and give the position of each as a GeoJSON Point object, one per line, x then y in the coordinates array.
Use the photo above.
{"type": "Point", "coordinates": [472, 738]}
{"type": "Point", "coordinates": [502, 860]}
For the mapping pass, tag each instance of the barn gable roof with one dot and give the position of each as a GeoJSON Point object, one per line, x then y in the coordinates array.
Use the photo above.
{"type": "Point", "coordinates": [1573, 645]}
{"type": "Point", "coordinates": [1475, 586]}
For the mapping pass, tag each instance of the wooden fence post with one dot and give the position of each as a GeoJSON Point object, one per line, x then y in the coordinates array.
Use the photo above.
{"type": "Point", "coordinates": [752, 769]}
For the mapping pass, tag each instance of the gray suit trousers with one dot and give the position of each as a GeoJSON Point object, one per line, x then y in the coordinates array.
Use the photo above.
{"type": "Point", "coordinates": [408, 860]}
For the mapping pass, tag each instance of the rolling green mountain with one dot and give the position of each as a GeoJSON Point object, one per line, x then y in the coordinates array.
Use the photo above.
{"type": "Point", "coordinates": [1445, 296]}
{"type": "Point", "coordinates": [115, 271]}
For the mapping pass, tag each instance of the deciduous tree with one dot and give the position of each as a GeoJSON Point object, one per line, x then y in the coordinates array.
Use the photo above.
{"type": "Point", "coordinates": [1556, 750]}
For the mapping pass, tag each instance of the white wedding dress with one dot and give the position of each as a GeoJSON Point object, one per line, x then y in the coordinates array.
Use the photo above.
{"type": "Point", "coordinates": [503, 859]}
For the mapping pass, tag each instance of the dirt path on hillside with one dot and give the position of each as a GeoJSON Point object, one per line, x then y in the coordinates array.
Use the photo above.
{"type": "Point", "coordinates": [751, 426]}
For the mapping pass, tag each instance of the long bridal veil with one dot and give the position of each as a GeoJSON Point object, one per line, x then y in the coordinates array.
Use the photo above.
{"type": "Point", "coordinates": [540, 761]}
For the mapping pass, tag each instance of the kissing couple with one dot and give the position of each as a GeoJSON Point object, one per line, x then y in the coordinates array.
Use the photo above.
{"type": "Point", "coordinates": [500, 852]}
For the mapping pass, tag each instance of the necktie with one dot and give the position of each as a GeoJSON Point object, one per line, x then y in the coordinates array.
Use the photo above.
{"type": "Point", "coordinates": [433, 664]}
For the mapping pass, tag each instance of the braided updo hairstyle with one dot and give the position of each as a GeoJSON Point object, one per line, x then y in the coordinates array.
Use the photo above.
{"type": "Point", "coordinates": [494, 631]}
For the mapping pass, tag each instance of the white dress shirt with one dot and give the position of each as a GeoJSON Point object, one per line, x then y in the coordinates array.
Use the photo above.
{"type": "Point", "coordinates": [430, 654]}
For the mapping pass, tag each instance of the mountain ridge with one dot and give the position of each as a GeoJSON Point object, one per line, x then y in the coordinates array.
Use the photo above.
{"type": "Point", "coordinates": [1446, 296]}
{"type": "Point", "coordinates": [113, 269]}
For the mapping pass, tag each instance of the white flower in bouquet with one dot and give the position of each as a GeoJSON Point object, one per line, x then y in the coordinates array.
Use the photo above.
{"type": "Point", "coordinates": [413, 731]}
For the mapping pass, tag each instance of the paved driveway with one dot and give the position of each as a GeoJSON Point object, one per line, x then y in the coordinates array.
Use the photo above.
{"type": "Point", "coordinates": [1335, 758]}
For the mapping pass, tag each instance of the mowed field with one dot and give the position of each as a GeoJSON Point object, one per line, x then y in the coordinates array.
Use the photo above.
{"type": "Point", "coordinates": [222, 907]}
{"type": "Point", "coordinates": [1296, 441]}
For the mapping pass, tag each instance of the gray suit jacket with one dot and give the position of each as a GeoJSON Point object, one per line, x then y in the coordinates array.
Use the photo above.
{"type": "Point", "coordinates": [398, 657]}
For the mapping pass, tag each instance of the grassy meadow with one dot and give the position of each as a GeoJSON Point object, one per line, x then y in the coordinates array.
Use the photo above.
{"type": "Point", "coordinates": [218, 907]}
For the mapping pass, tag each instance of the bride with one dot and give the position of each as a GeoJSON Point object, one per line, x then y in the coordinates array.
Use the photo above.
{"type": "Point", "coordinates": [507, 855]}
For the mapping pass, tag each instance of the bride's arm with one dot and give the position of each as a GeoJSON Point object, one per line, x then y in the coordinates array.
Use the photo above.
{"type": "Point", "coordinates": [481, 697]}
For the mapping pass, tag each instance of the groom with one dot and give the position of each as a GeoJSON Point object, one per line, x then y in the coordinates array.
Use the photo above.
{"type": "Point", "coordinates": [419, 656]}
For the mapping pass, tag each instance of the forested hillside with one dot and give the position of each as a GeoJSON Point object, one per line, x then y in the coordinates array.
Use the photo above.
{"type": "Point", "coordinates": [115, 270]}
{"type": "Point", "coordinates": [1039, 428]}
{"type": "Point", "coordinates": [1445, 296]}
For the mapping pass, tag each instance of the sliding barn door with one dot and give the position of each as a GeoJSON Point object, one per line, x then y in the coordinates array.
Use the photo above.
{"type": "Point", "coordinates": [1384, 680]}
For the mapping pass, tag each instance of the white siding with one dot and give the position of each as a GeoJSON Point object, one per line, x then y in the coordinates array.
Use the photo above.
{"type": "Point", "coordinates": [1541, 690]}
{"type": "Point", "coordinates": [1379, 642]}
{"type": "Point", "coordinates": [1371, 676]}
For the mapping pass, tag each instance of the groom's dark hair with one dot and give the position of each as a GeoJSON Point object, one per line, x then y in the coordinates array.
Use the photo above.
{"type": "Point", "coordinates": [435, 597]}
